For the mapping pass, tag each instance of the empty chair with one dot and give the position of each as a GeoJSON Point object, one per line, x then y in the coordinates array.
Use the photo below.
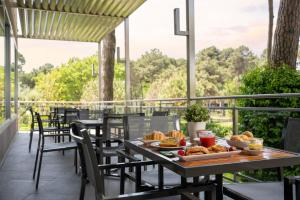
{"type": "Point", "coordinates": [291, 136]}
{"type": "Point", "coordinates": [164, 123]}
{"type": "Point", "coordinates": [84, 114]}
{"type": "Point", "coordinates": [49, 120]}
{"type": "Point", "coordinates": [137, 127]}
{"type": "Point", "coordinates": [160, 113]}
{"type": "Point", "coordinates": [91, 171]}
{"type": "Point", "coordinates": [272, 190]}
{"type": "Point", "coordinates": [44, 147]}
{"type": "Point", "coordinates": [70, 114]}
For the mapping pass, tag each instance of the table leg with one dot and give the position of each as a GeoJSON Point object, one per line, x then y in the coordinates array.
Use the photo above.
{"type": "Point", "coordinates": [183, 184]}
{"type": "Point", "coordinates": [219, 189]}
{"type": "Point", "coordinates": [160, 177]}
{"type": "Point", "coordinates": [98, 144]}
{"type": "Point", "coordinates": [196, 182]}
{"type": "Point", "coordinates": [107, 159]}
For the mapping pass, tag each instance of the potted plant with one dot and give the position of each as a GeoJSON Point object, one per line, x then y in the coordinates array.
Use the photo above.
{"type": "Point", "coordinates": [196, 116]}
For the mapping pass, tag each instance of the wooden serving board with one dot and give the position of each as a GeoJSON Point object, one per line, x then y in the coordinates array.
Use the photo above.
{"type": "Point", "coordinates": [208, 156]}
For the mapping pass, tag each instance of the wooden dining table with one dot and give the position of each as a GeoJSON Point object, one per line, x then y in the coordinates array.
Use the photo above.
{"type": "Point", "coordinates": [270, 158]}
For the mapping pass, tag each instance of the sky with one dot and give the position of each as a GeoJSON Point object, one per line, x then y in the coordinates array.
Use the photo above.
{"type": "Point", "coordinates": [229, 23]}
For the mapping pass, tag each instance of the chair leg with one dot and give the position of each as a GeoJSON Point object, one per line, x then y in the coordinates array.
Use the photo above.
{"type": "Point", "coordinates": [39, 170]}
{"type": "Point", "coordinates": [297, 183]}
{"type": "Point", "coordinates": [122, 180]}
{"type": "Point", "coordinates": [288, 189]}
{"type": "Point", "coordinates": [76, 161]}
{"type": "Point", "coordinates": [35, 163]}
{"type": "Point", "coordinates": [82, 188]}
{"type": "Point", "coordinates": [30, 139]}
{"type": "Point", "coordinates": [219, 189]}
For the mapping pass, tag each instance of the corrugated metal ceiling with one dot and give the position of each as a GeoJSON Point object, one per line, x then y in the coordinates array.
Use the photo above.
{"type": "Point", "coordinates": [72, 20]}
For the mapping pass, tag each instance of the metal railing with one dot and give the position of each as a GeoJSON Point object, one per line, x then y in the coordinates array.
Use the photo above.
{"type": "Point", "coordinates": [226, 106]}
{"type": "Point", "coordinates": [214, 104]}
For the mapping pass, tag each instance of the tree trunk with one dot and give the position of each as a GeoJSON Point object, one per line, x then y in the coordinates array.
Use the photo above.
{"type": "Point", "coordinates": [108, 60]}
{"type": "Point", "coordinates": [286, 38]}
{"type": "Point", "coordinates": [270, 32]}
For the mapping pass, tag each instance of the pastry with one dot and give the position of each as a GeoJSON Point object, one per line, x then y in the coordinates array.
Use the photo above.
{"type": "Point", "coordinates": [155, 135]}
{"type": "Point", "coordinates": [169, 142]}
{"type": "Point", "coordinates": [248, 133]}
{"type": "Point", "coordinates": [217, 149]}
{"type": "Point", "coordinates": [197, 150]}
{"type": "Point", "coordinates": [244, 137]}
{"type": "Point", "coordinates": [176, 134]}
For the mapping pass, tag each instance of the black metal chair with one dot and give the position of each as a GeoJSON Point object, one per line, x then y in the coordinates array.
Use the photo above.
{"type": "Point", "coordinates": [49, 147]}
{"type": "Point", "coordinates": [137, 127]}
{"type": "Point", "coordinates": [160, 113]}
{"type": "Point", "coordinates": [273, 190]}
{"type": "Point", "coordinates": [93, 173]}
{"type": "Point", "coordinates": [113, 135]}
{"type": "Point", "coordinates": [84, 114]}
{"type": "Point", "coordinates": [50, 120]}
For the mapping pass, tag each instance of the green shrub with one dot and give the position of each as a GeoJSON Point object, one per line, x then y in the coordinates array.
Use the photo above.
{"type": "Point", "coordinates": [269, 125]}
{"type": "Point", "coordinates": [196, 113]}
{"type": "Point", "coordinates": [219, 129]}
{"type": "Point", "coordinates": [265, 80]}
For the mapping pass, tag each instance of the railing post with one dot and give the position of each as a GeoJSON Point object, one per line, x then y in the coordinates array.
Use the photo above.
{"type": "Point", "coordinates": [7, 69]}
{"type": "Point", "coordinates": [141, 106]}
{"type": "Point", "coordinates": [159, 105]}
{"type": "Point", "coordinates": [235, 116]}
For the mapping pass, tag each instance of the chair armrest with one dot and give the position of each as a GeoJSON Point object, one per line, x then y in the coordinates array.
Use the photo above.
{"type": "Point", "coordinates": [127, 155]}
{"type": "Point", "coordinates": [116, 141]}
{"type": "Point", "coordinates": [129, 164]}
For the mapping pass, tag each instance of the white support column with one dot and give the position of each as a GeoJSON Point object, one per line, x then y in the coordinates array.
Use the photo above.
{"type": "Point", "coordinates": [16, 94]}
{"type": "Point", "coordinates": [7, 69]}
{"type": "Point", "coordinates": [100, 71]}
{"type": "Point", "coordinates": [190, 43]}
{"type": "Point", "coordinates": [127, 61]}
{"type": "Point", "coordinates": [191, 69]}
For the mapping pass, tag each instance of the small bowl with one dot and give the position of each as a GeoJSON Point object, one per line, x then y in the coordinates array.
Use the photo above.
{"type": "Point", "coordinates": [252, 152]}
{"type": "Point", "coordinates": [237, 144]}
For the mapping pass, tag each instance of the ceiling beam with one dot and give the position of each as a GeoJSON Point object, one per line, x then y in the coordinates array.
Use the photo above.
{"type": "Point", "coordinates": [15, 5]}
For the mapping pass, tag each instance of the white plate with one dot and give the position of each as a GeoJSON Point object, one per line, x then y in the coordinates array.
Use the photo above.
{"type": "Point", "coordinates": [238, 144]}
{"type": "Point", "coordinates": [147, 141]}
{"type": "Point", "coordinates": [208, 156]}
{"type": "Point", "coordinates": [156, 145]}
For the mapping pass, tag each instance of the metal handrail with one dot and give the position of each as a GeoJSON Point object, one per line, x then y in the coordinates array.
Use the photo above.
{"type": "Point", "coordinates": [254, 96]}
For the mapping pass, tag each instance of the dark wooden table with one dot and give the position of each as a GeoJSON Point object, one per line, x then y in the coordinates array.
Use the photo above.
{"type": "Point", "coordinates": [270, 158]}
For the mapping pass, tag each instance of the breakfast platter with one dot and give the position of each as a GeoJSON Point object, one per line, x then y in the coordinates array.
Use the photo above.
{"type": "Point", "coordinates": [203, 153]}
{"type": "Point", "coordinates": [170, 141]}
{"type": "Point", "coordinates": [207, 147]}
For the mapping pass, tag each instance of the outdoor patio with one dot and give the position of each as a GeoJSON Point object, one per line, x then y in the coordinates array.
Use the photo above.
{"type": "Point", "coordinates": [194, 147]}
{"type": "Point", "coordinates": [58, 179]}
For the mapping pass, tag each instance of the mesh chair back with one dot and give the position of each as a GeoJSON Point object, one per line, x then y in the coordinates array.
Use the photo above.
{"type": "Point", "coordinates": [76, 128]}
{"type": "Point", "coordinates": [32, 118]}
{"type": "Point", "coordinates": [84, 114]}
{"type": "Point", "coordinates": [160, 113]}
{"type": "Point", "coordinates": [113, 125]}
{"type": "Point", "coordinates": [40, 123]}
{"type": "Point", "coordinates": [70, 115]}
{"type": "Point", "coordinates": [95, 177]}
{"type": "Point", "coordinates": [164, 123]}
{"type": "Point", "coordinates": [292, 135]}
{"type": "Point", "coordinates": [137, 126]}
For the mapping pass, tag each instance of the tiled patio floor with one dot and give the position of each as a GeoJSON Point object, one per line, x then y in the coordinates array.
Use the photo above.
{"type": "Point", "coordinates": [58, 179]}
